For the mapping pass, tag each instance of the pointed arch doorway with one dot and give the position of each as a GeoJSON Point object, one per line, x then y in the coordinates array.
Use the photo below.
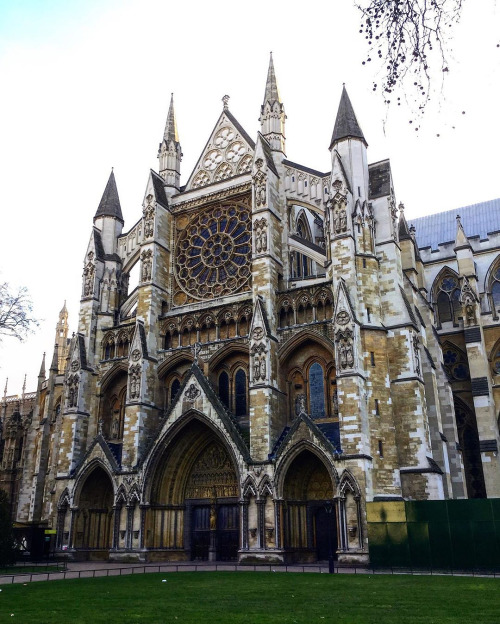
{"type": "Point", "coordinates": [93, 532]}
{"type": "Point", "coordinates": [309, 515]}
{"type": "Point", "coordinates": [195, 509]}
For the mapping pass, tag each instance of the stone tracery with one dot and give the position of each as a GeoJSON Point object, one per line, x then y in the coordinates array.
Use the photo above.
{"type": "Point", "coordinates": [213, 252]}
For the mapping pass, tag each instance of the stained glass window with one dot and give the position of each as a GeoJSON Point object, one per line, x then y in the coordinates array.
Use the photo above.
{"type": "Point", "coordinates": [317, 391]}
{"type": "Point", "coordinates": [240, 391]}
{"type": "Point", "coordinates": [224, 388]}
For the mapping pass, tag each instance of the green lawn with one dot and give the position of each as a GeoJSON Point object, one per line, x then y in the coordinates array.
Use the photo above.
{"type": "Point", "coordinates": [254, 598]}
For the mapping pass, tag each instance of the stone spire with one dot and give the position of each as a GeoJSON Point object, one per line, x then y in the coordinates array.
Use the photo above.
{"type": "Point", "coordinates": [170, 153]}
{"type": "Point", "coordinates": [55, 360]}
{"type": "Point", "coordinates": [346, 124]}
{"type": "Point", "coordinates": [170, 133]}
{"type": "Point", "coordinates": [41, 374]}
{"type": "Point", "coordinates": [62, 337]}
{"type": "Point", "coordinates": [109, 205]}
{"type": "Point", "coordinates": [272, 112]}
{"type": "Point", "coordinates": [5, 389]}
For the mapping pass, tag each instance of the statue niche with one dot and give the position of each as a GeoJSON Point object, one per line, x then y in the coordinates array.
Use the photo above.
{"type": "Point", "coordinates": [112, 412]}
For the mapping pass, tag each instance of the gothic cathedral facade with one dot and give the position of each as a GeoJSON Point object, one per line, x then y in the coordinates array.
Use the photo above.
{"type": "Point", "coordinates": [289, 354]}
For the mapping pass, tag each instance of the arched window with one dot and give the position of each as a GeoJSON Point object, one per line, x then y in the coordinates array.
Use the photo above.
{"type": "Point", "coordinates": [447, 299]}
{"type": "Point", "coordinates": [317, 391]}
{"type": "Point", "coordinates": [109, 348]}
{"type": "Point", "coordinates": [174, 389]}
{"type": "Point", "coordinates": [224, 388]}
{"type": "Point", "coordinates": [240, 393]}
{"type": "Point", "coordinates": [494, 287]}
{"type": "Point", "coordinates": [495, 359]}
{"type": "Point", "coordinates": [455, 362]}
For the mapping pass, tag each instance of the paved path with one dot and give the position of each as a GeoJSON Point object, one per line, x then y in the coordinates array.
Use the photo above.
{"type": "Point", "coordinates": [96, 569]}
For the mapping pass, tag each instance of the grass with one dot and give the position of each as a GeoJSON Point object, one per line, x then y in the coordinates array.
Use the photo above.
{"type": "Point", "coordinates": [254, 598]}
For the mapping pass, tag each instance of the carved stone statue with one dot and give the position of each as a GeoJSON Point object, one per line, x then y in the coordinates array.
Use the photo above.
{"type": "Point", "coordinates": [260, 229]}
{"type": "Point", "coordinates": [345, 348]}
{"type": "Point", "coordinates": [300, 404]}
{"type": "Point", "coordinates": [147, 264]}
{"type": "Point", "coordinates": [135, 381]}
{"type": "Point", "coordinates": [73, 382]}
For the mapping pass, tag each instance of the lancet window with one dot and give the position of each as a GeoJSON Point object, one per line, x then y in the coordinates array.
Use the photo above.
{"type": "Point", "coordinates": [447, 297]}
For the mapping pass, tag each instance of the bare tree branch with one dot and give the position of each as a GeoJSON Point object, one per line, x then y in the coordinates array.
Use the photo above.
{"type": "Point", "coordinates": [16, 312]}
{"type": "Point", "coordinates": [408, 36]}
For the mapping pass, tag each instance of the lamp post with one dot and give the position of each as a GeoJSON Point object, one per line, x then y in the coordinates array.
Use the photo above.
{"type": "Point", "coordinates": [329, 511]}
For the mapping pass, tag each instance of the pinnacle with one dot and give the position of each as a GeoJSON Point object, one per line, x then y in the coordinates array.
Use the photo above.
{"type": "Point", "coordinates": [109, 205]}
{"type": "Point", "coordinates": [272, 93]}
{"type": "Point", "coordinates": [170, 133]}
{"type": "Point", "coordinates": [346, 124]}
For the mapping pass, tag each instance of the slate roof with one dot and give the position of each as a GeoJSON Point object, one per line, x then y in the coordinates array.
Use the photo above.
{"type": "Point", "coordinates": [109, 205]}
{"type": "Point", "coordinates": [315, 172]}
{"type": "Point", "coordinates": [346, 124]}
{"type": "Point", "coordinates": [161, 197]}
{"type": "Point", "coordinates": [478, 220]}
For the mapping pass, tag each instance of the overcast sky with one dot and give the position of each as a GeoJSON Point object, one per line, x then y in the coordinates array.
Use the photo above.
{"type": "Point", "coordinates": [86, 86]}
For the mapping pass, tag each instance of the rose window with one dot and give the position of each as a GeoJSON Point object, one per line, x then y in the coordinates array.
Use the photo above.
{"type": "Point", "coordinates": [213, 252]}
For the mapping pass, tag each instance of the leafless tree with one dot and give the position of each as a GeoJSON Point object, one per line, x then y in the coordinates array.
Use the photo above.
{"type": "Point", "coordinates": [16, 312]}
{"type": "Point", "coordinates": [407, 37]}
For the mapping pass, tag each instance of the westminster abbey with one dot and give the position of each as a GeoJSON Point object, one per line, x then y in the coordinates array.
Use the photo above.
{"type": "Point", "coordinates": [294, 348]}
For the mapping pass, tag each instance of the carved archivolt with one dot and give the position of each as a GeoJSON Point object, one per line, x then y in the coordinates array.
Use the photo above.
{"type": "Point", "coordinates": [213, 252]}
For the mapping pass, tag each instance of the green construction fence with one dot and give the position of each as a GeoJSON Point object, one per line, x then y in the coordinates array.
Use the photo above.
{"type": "Point", "coordinates": [450, 534]}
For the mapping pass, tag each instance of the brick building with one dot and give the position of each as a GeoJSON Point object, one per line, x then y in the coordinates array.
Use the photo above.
{"type": "Point", "coordinates": [293, 349]}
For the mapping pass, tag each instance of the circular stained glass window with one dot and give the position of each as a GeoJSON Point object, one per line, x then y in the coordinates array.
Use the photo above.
{"type": "Point", "coordinates": [448, 284]}
{"type": "Point", "coordinates": [213, 252]}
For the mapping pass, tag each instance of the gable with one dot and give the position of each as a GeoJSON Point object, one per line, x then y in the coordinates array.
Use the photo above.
{"type": "Point", "coordinates": [227, 154]}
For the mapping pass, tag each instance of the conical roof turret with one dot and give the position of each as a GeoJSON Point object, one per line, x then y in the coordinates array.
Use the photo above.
{"type": "Point", "coordinates": [170, 133]}
{"type": "Point", "coordinates": [109, 205]}
{"type": "Point", "coordinates": [272, 93]}
{"type": "Point", "coordinates": [346, 124]}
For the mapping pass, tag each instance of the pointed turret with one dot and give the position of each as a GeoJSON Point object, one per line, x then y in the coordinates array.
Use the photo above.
{"type": "Point", "coordinates": [346, 124]}
{"type": "Point", "coordinates": [62, 336]}
{"type": "Point", "coordinates": [170, 154]}
{"type": "Point", "coordinates": [461, 240]}
{"type": "Point", "coordinates": [108, 219]}
{"type": "Point", "coordinates": [109, 206]}
{"type": "Point", "coordinates": [41, 374]}
{"type": "Point", "coordinates": [272, 113]}
{"type": "Point", "coordinates": [54, 366]}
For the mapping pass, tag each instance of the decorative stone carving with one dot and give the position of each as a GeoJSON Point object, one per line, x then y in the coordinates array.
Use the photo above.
{"type": "Point", "coordinates": [416, 351]}
{"type": "Point", "coordinates": [342, 317]}
{"type": "Point", "coordinates": [134, 381]}
{"type": "Point", "coordinates": [73, 384]}
{"type": "Point", "coordinates": [468, 300]}
{"type": "Point", "coordinates": [147, 265]}
{"type": "Point", "coordinates": [88, 275]}
{"type": "Point", "coordinates": [340, 220]}
{"type": "Point", "coordinates": [149, 215]}
{"type": "Point", "coordinates": [223, 138]}
{"type": "Point", "coordinates": [300, 404]}
{"type": "Point", "coordinates": [136, 355]}
{"type": "Point", "coordinates": [260, 235]}
{"type": "Point", "coordinates": [260, 189]}
{"type": "Point", "coordinates": [192, 393]}
{"type": "Point", "coordinates": [258, 352]}
{"type": "Point", "coordinates": [344, 340]}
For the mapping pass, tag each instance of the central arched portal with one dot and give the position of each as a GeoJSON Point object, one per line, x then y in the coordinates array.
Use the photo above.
{"type": "Point", "coordinates": [195, 511]}
{"type": "Point", "coordinates": [309, 517]}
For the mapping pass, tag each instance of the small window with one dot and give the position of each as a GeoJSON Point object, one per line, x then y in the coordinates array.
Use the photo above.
{"type": "Point", "coordinates": [368, 314]}
{"type": "Point", "coordinates": [224, 388]}
{"type": "Point", "coordinates": [377, 407]}
{"type": "Point", "coordinates": [380, 448]}
{"type": "Point", "coordinates": [372, 358]}
{"type": "Point", "coordinates": [174, 389]}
